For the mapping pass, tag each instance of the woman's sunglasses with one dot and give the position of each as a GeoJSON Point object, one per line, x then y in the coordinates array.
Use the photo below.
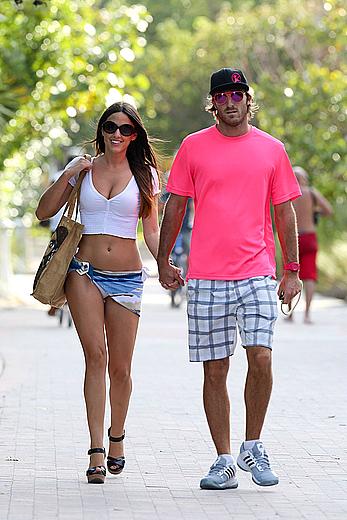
{"type": "Point", "coordinates": [221, 98]}
{"type": "Point", "coordinates": [126, 130]}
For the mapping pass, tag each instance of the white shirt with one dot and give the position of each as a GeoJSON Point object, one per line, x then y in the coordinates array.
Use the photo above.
{"type": "Point", "coordinates": [117, 216]}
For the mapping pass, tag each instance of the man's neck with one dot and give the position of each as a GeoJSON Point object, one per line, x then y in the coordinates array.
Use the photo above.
{"type": "Point", "coordinates": [233, 131]}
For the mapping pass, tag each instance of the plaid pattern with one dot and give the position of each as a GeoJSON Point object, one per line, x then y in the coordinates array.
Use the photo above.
{"type": "Point", "coordinates": [216, 306]}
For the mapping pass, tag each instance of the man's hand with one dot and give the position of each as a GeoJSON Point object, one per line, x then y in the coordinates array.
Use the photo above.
{"type": "Point", "coordinates": [170, 276]}
{"type": "Point", "coordinates": [289, 287]}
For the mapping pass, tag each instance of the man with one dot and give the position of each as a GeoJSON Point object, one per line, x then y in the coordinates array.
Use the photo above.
{"type": "Point", "coordinates": [308, 208]}
{"type": "Point", "coordinates": [232, 171]}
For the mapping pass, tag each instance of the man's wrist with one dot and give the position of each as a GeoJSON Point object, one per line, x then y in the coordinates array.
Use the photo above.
{"type": "Point", "coordinates": [292, 267]}
{"type": "Point", "coordinates": [163, 260]}
{"type": "Point", "coordinates": [292, 274]}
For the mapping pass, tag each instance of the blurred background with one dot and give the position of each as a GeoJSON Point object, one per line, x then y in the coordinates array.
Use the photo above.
{"type": "Point", "coordinates": [63, 61]}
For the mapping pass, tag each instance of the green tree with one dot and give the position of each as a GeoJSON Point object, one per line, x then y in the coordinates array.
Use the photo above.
{"type": "Point", "coordinates": [293, 56]}
{"type": "Point", "coordinates": [60, 65]}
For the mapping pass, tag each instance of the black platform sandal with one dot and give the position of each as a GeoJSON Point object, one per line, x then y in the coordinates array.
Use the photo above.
{"type": "Point", "coordinates": [94, 476]}
{"type": "Point", "coordinates": [118, 462]}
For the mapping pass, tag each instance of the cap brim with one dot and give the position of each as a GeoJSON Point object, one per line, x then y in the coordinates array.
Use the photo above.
{"type": "Point", "coordinates": [236, 86]}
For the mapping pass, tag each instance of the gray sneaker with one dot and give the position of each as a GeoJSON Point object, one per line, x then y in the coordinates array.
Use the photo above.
{"type": "Point", "coordinates": [220, 476]}
{"type": "Point", "coordinates": [256, 461]}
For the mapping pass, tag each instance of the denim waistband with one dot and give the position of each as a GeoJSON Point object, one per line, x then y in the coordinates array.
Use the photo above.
{"type": "Point", "coordinates": [82, 267]}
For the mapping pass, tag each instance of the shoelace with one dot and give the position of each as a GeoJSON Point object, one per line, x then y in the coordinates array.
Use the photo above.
{"type": "Point", "coordinates": [220, 469]}
{"type": "Point", "coordinates": [262, 462]}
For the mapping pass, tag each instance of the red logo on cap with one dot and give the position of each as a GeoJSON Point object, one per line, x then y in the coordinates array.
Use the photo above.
{"type": "Point", "coordinates": [235, 77]}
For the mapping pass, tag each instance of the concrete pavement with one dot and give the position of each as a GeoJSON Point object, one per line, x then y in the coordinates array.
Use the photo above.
{"type": "Point", "coordinates": [44, 440]}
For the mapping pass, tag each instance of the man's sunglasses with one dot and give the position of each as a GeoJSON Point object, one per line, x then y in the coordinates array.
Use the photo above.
{"type": "Point", "coordinates": [126, 130]}
{"type": "Point", "coordinates": [221, 98]}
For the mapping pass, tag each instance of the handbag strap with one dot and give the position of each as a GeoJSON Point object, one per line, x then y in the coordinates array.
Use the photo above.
{"type": "Point", "coordinates": [74, 198]}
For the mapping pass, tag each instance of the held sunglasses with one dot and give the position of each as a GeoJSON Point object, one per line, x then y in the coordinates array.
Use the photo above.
{"type": "Point", "coordinates": [288, 308]}
{"type": "Point", "coordinates": [126, 130]}
{"type": "Point", "coordinates": [221, 98]}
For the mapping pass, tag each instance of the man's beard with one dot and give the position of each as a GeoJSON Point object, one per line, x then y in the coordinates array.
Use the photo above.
{"type": "Point", "coordinates": [235, 121]}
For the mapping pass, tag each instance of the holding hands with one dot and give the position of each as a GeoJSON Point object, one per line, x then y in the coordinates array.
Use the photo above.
{"type": "Point", "coordinates": [170, 276]}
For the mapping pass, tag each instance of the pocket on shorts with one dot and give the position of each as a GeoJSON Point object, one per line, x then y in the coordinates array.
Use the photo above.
{"type": "Point", "coordinates": [268, 280]}
{"type": "Point", "coordinates": [271, 281]}
{"type": "Point", "coordinates": [262, 291]}
{"type": "Point", "coordinates": [199, 291]}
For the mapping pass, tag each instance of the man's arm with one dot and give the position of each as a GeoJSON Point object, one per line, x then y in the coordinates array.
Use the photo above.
{"type": "Point", "coordinates": [323, 204]}
{"type": "Point", "coordinates": [169, 276]}
{"type": "Point", "coordinates": [285, 220]}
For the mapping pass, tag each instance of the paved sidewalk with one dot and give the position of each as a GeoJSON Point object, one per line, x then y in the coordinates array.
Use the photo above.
{"type": "Point", "coordinates": [43, 434]}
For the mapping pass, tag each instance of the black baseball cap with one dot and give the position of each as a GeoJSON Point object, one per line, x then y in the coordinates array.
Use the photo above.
{"type": "Point", "coordinates": [228, 79]}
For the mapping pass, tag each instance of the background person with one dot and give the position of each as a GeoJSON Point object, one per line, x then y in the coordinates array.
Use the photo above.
{"type": "Point", "coordinates": [308, 208]}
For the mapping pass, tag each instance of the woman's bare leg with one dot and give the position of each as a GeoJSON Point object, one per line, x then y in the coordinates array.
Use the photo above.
{"type": "Point", "coordinates": [121, 329]}
{"type": "Point", "coordinates": [87, 310]}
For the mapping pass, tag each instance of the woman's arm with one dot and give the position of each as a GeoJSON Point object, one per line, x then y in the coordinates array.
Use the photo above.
{"type": "Point", "coordinates": [58, 193]}
{"type": "Point", "coordinates": [151, 229]}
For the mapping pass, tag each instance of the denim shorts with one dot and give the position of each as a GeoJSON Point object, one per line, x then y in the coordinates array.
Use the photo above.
{"type": "Point", "coordinates": [124, 287]}
{"type": "Point", "coordinates": [215, 307]}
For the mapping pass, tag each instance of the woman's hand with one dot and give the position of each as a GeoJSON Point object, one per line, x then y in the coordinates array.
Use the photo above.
{"type": "Point", "coordinates": [77, 165]}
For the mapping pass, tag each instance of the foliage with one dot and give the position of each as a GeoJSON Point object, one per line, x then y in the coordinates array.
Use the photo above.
{"type": "Point", "coordinates": [292, 53]}
{"type": "Point", "coordinates": [62, 62]}
{"type": "Point", "coordinates": [60, 65]}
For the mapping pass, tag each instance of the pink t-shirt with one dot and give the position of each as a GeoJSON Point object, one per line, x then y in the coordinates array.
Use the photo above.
{"type": "Point", "coordinates": [232, 181]}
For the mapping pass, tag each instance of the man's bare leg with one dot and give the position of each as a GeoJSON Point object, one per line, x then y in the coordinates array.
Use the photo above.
{"type": "Point", "coordinates": [217, 407]}
{"type": "Point", "coordinates": [309, 287]}
{"type": "Point", "coordinates": [253, 457]}
{"type": "Point", "coordinates": [216, 403]}
{"type": "Point", "coordinates": [257, 389]}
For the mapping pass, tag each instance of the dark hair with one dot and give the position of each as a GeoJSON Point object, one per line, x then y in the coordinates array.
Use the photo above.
{"type": "Point", "coordinates": [252, 107]}
{"type": "Point", "coordinates": [140, 153]}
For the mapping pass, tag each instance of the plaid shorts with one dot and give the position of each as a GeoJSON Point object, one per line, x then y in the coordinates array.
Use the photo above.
{"type": "Point", "coordinates": [216, 306]}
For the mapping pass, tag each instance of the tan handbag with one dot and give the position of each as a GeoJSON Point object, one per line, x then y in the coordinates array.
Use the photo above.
{"type": "Point", "coordinates": [50, 277]}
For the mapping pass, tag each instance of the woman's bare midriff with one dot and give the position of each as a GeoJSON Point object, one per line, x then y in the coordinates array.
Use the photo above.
{"type": "Point", "coordinates": [110, 253]}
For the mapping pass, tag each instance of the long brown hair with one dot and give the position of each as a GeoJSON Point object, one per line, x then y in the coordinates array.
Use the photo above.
{"type": "Point", "coordinates": [140, 153]}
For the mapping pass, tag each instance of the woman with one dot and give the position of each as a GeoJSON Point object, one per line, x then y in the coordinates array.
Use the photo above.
{"type": "Point", "coordinates": [105, 279]}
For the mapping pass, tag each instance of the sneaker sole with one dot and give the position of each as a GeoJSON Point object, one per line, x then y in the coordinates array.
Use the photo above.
{"type": "Point", "coordinates": [248, 470]}
{"type": "Point", "coordinates": [212, 485]}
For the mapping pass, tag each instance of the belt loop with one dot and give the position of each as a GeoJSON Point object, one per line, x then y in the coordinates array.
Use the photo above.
{"type": "Point", "coordinates": [83, 268]}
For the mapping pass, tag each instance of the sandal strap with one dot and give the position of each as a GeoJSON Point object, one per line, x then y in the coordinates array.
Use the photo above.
{"type": "Point", "coordinates": [92, 471]}
{"type": "Point", "coordinates": [115, 460]}
{"type": "Point", "coordinates": [96, 450]}
{"type": "Point", "coordinates": [115, 439]}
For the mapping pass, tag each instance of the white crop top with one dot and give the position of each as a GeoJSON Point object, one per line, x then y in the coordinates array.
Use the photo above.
{"type": "Point", "coordinates": [117, 216]}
